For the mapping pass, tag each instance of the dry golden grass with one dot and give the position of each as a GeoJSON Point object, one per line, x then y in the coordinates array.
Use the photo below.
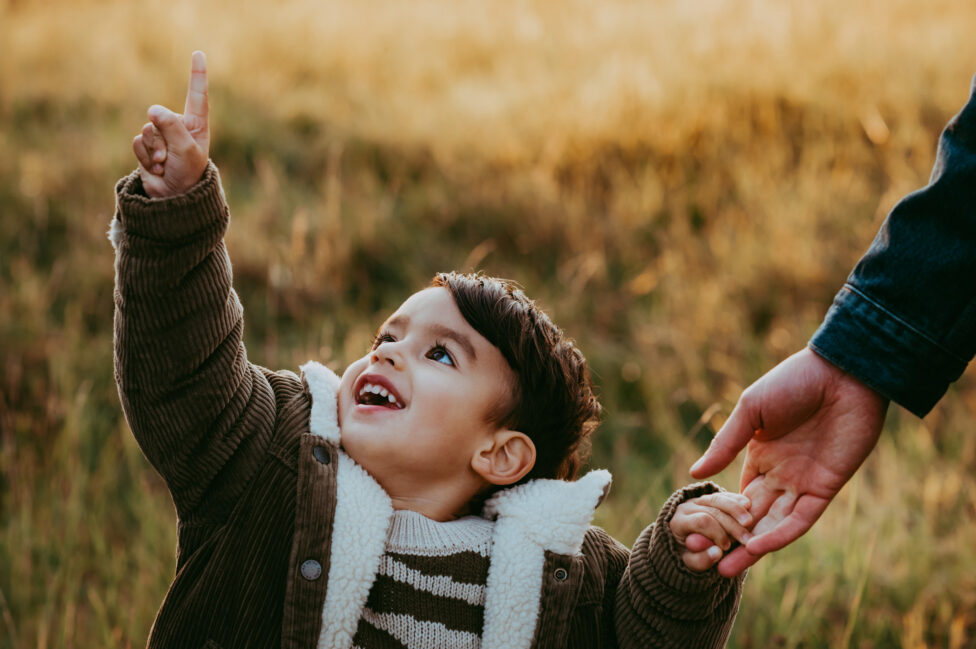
{"type": "Point", "coordinates": [507, 77]}
{"type": "Point", "coordinates": [682, 184]}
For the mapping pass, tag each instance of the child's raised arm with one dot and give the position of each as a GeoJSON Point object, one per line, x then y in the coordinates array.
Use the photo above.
{"type": "Point", "coordinates": [706, 527]}
{"type": "Point", "coordinates": [173, 149]}
{"type": "Point", "coordinates": [201, 413]}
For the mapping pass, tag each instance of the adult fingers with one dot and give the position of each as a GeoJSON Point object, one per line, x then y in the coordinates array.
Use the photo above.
{"type": "Point", "coordinates": [731, 438]}
{"type": "Point", "coordinates": [788, 519]}
{"type": "Point", "coordinates": [792, 526]}
{"type": "Point", "coordinates": [778, 522]}
{"type": "Point", "coordinates": [736, 561]}
{"type": "Point", "coordinates": [750, 472]}
{"type": "Point", "coordinates": [197, 103]}
{"type": "Point", "coordinates": [762, 493]}
{"type": "Point", "coordinates": [171, 127]}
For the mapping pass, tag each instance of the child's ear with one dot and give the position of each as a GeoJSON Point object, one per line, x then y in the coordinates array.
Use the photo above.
{"type": "Point", "coordinates": [504, 458]}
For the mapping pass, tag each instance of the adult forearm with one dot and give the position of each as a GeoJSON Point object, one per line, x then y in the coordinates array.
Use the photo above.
{"type": "Point", "coordinates": [905, 323]}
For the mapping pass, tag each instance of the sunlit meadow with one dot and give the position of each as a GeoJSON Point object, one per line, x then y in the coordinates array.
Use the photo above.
{"type": "Point", "coordinates": [682, 184]}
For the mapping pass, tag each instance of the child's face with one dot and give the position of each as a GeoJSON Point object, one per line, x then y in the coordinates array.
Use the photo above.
{"type": "Point", "coordinates": [437, 379]}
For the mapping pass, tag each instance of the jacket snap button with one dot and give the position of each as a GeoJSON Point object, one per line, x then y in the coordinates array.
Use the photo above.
{"type": "Point", "coordinates": [321, 454]}
{"type": "Point", "coordinates": [311, 570]}
{"type": "Point", "coordinates": [560, 574]}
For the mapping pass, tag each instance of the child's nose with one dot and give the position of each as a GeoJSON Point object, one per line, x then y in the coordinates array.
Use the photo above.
{"type": "Point", "coordinates": [387, 352]}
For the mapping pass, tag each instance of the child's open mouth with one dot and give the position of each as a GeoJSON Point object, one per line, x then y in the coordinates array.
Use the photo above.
{"type": "Point", "coordinates": [373, 392]}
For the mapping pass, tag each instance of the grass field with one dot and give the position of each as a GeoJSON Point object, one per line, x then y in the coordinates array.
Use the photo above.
{"type": "Point", "coordinates": [683, 185]}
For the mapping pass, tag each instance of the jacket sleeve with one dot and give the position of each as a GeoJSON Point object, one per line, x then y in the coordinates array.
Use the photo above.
{"type": "Point", "coordinates": [200, 412]}
{"type": "Point", "coordinates": [663, 604]}
{"type": "Point", "coordinates": [905, 321]}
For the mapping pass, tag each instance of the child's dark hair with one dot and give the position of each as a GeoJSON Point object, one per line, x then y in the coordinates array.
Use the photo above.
{"type": "Point", "coordinates": [554, 402]}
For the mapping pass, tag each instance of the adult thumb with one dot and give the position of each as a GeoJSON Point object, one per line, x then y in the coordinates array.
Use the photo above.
{"type": "Point", "coordinates": [730, 439]}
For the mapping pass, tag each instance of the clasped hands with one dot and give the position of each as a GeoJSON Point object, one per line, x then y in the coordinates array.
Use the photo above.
{"type": "Point", "coordinates": [807, 426]}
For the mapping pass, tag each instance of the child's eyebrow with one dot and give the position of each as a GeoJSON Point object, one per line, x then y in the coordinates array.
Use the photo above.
{"type": "Point", "coordinates": [441, 331]}
{"type": "Point", "coordinates": [438, 331]}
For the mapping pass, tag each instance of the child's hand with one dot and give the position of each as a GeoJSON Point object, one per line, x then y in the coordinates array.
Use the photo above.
{"type": "Point", "coordinates": [717, 518]}
{"type": "Point", "coordinates": [173, 149]}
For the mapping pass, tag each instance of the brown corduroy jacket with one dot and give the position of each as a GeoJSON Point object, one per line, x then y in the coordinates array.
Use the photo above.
{"type": "Point", "coordinates": [254, 482]}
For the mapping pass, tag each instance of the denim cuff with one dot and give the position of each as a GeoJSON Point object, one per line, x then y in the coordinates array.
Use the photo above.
{"type": "Point", "coordinates": [885, 352]}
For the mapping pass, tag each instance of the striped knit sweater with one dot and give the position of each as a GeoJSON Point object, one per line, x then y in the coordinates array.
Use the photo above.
{"type": "Point", "coordinates": [430, 587]}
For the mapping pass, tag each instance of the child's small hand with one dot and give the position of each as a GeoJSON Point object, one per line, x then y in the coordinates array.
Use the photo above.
{"type": "Point", "coordinates": [719, 518]}
{"type": "Point", "coordinates": [173, 149]}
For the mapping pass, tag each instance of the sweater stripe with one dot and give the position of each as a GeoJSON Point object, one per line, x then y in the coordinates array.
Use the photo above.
{"type": "Point", "coordinates": [438, 585]}
{"type": "Point", "coordinates": [420, 634]}
{"type": "Point", "coordinates": [429, 589]}
{"type": "Point", "coordinates": [466, 567]}
{"type": "Point", "coordinates": [370, 637]}
{"type": "Point", "coordinates": [391, 596]}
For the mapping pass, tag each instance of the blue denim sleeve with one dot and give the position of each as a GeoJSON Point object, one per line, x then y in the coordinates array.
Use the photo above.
{"type": "Point", "coordinates": [905, 321]}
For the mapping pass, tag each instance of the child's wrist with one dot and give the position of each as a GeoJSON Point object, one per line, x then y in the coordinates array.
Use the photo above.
{"type": "Point", "coordinates": [172, 218]}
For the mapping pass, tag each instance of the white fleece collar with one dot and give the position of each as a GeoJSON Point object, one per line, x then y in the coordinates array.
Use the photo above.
{"type": "Point", "coordinates": [323, 385]}
{"type": "Point", "coordinates": [530, 519]}
{"type": "Point", "coordinates": [362, 517]}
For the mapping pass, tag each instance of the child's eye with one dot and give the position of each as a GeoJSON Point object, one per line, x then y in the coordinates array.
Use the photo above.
{"type": "Point", "coordinates": [440, 354]}
{"type": "Point", "coordinates": [382, 338]}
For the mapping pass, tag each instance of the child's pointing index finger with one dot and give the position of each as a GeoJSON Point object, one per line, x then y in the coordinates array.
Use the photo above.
{"type": "Point", "coordinates": [196, 94]}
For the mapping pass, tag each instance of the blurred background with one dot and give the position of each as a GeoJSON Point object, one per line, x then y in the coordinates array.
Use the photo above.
{"type": "Point", "coordinates": [682, 185]}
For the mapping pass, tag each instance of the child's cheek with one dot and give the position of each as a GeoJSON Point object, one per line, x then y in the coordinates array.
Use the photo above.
{"type": "Point", "coordinates": [346, 383]}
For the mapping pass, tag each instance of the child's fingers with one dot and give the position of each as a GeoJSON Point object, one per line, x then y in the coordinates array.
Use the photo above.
{"type": "Point", "coordinates": [158, 144]}
{"type": "Point", "coordinates": [702, 561]}
{"type": "Point", "coordinates": [155, 147]}
{"type": "Point", "coordinates": [197, 104]}
{"type": "Point", "coordinates": [735, 505]}
{"type": "Point", "coordinates": [148, 136]}
{"type": "Point", "coordinates": [142, 154]}
{"type": "Point", "coordinates": [706, 523]}
{"type": "Point", "coordinates": [729, 525]}
{"type": "Point", "coordinates": [697, 543]}
{"type": "Point", "coordinates": [172, 129]}
{"type": "Point", "coordinates": [151, 182]}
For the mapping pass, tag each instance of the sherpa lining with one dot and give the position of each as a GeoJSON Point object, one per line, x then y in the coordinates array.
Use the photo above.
{"type": "Point", "coordinates": [539, 516]}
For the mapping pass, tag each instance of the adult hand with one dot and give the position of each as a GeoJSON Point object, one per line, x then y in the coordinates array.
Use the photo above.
{"type": "Point", "coordinates": [808, 426]}
{"type": "Point", "coordinates": [173, 149]}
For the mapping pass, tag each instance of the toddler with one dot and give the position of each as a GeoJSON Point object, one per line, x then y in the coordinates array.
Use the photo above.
{"type": "Point", "coordinates": [425, 499]}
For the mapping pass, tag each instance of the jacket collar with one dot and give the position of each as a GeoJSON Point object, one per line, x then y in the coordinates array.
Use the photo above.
{"type": "Point", "coordinates": [530, 519]}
